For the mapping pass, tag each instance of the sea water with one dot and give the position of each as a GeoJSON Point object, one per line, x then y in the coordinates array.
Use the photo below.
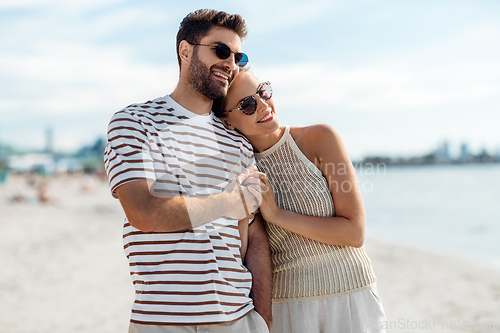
{"type": "Point", "coordinates": [450, 209]}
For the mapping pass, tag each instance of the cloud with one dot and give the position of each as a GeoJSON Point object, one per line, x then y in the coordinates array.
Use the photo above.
{"type": "Point", "coordinates": [288, 14]}
{"type": "Point", "coordinates": [79, 78]}
{"type": "Point", "coordinates": [11, 4]}
{"type": "Point", "coordinates": [74, 4]}
{"type": "Point", "coordinates": [460, 67]}
{"type": "Point", "coordinates": [79, 58]}
{"type": "Point", "coordinates": [53, 60]}
{"type": "Point", "coordinates": [380, 89]}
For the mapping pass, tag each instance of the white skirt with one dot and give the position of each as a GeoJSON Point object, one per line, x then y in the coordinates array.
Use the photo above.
{"type": "Point", "coordinates": [359, 312]}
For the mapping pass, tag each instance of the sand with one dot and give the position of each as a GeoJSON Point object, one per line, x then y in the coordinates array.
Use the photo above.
{"type": "Point", "coordinates": [63, 269]}
{"type": "Point", "coordinates": [434, 293]}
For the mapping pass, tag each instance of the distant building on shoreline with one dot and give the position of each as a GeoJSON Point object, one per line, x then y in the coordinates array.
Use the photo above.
{"type": "Point", "coordinates": [88, 159]}
{"type": "Point", "coordinates": [440, 156]}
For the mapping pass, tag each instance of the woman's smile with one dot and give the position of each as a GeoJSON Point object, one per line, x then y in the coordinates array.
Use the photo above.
{"type": "Point", "coordinates": [267, 118]}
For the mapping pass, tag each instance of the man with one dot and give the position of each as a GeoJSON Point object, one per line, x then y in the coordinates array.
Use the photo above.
{"type": "Point", "coordinates": [181, 178]}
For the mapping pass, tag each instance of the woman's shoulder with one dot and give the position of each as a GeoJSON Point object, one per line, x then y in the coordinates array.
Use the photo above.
{"type": "Point", "coordinates": [315, 133]}
{"type": "Point", "coordinates": [315, 140]}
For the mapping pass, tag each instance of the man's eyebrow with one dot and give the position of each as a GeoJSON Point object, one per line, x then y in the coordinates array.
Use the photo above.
{"type": "Point", "coordinates": [219, 42]}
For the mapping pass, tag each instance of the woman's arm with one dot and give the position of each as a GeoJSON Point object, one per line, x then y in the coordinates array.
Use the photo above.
{"type": "Point", "coordinates": [348, 226]}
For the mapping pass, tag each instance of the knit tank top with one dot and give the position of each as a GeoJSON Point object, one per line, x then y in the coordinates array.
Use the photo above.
{"type": "Point", "coordinates": [304, 269]}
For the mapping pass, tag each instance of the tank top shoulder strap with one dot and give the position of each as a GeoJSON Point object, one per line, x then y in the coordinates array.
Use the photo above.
{"type": "Point", "coordinates": [300, 154]}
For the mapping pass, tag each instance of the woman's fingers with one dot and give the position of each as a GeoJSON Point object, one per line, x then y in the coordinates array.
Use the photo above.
{"type": "Point", "coordinates": [259, 186]}
{"type": "Point", "coordinates": [245, 174]}
{"type": "Point", "coordinates": [264, 183]}
{"type": "Point", "coordinates": [256, 192]}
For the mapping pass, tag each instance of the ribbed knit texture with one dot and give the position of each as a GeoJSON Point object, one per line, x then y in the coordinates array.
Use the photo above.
{"type": "Point", "coordinates": [304, 269]}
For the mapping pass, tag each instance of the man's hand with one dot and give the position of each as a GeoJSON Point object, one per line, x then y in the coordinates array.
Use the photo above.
{"type": "Point", "coordinates": [151, 211]}
{"type": "Point", "coordinates": [242, 203]}
{"type": "Point", "coordinates": [264, 194]}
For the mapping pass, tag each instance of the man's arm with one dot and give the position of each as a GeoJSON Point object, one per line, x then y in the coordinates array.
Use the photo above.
{"type": "Point", "coordinates": [152, 212]}
{"type": "Point", "coordinates": [258, 262]}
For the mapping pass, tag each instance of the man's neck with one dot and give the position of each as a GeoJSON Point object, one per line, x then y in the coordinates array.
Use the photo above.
{"type": "Point", "coordinates": [191, 99]}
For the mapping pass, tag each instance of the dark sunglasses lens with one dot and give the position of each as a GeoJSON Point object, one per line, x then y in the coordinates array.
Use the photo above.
{"type": "Point", "coordinates": [241, 59]}
{"type": "Point", "coordinates": [237, 58]}
{"type": "Point", "coordinates": [222, 51]}
{"type": "Point", "coordinates": [249, 105]}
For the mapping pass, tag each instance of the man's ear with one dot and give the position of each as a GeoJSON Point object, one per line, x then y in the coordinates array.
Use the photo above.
{"type": "Point", "coordinates": [227, 124]}
{"type": "Point", "coordinates": [185, 51]}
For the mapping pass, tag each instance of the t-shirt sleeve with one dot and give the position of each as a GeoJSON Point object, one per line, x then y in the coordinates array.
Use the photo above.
{"type": "Point", "coordinates": [247, 158]}
{"type": "Point", "coordinates": [127, 156]}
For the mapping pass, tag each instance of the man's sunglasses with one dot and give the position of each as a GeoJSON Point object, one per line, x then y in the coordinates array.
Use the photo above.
{"type": "Point", "coordinates": [223, 52]}
{"type": "Point", "coordinates": [248, 105]}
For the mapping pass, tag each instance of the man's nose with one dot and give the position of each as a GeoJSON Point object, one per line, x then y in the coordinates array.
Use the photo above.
{"type": "Point", "coordinates": [230, 63]}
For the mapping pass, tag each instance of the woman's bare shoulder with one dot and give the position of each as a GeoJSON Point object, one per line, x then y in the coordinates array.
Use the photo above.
{"type": "Point", "coordinates": [316, 140]}
{"type": "Point", "coordinates": [317, 133]}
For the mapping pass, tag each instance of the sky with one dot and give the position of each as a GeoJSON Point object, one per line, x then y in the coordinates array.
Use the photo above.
{"type": "Point", "coordinates": [395, 78]}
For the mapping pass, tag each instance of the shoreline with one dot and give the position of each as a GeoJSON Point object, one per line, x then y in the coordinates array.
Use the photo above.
{"type": "Point", "coordinates": [66, 270]}
{"type": "Point", "coordinates": [488, 264]}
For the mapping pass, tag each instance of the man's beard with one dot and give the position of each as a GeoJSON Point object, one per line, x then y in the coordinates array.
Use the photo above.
{"type": "Point", "coordinates": [200, 77]}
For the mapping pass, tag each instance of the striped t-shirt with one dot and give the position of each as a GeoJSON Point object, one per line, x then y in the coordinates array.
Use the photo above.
{"type": "Point", "coordinates": [191, 277]}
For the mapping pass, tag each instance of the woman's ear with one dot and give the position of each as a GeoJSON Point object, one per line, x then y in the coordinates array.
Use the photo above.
{"type": "Point", "coordinates": [227, 124]}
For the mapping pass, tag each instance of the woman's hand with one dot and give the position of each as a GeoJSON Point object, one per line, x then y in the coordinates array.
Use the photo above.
{"type": "Point", "coordinates": [264, 194]}
{"type": "Point", "coordinates": [322, 144]}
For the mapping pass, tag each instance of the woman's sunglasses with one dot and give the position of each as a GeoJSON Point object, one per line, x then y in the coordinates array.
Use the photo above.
{"type": "Point", "coordinates": [223, 52]}
{"type": "Point", "coordinates": [248, 105]}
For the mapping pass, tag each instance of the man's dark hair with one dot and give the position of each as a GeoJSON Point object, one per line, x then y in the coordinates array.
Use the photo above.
{"type": "Point", "coordinates": [197, 25]}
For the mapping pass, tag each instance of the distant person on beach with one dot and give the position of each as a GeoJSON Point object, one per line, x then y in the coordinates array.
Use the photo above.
{"type": "Point", "coordinates": [323, 280]}
{"type": "Point", "coordinates": [42, 193]}
{"type": "Point", "coordinates": [182, 179]}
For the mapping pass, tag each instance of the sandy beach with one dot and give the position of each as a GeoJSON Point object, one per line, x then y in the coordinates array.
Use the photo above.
{"type": "Point", "coordinates": [64, 269]}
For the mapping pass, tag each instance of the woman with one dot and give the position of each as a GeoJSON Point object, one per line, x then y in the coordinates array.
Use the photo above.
{"type": "Point", "coordinates": [323, 280]}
